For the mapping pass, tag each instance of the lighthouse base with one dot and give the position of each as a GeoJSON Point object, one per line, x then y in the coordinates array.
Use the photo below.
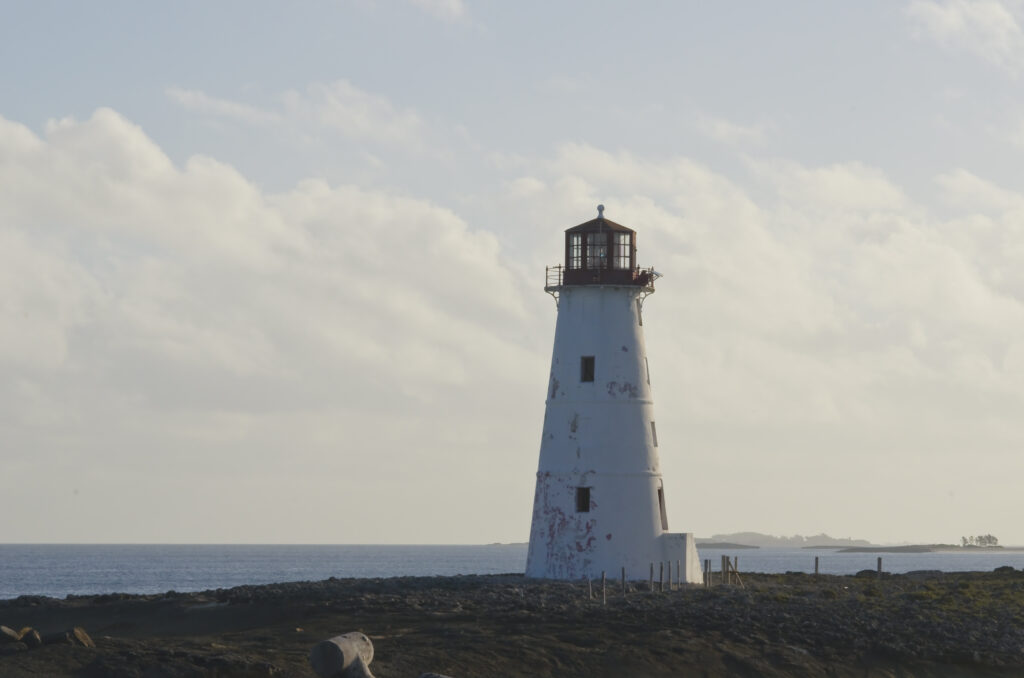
{"type": "Point", "coordinates": [675, 550]}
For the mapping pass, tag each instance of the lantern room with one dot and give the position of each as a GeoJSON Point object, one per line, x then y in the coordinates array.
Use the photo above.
{"type": "Point", "coordinates": [599, 252]}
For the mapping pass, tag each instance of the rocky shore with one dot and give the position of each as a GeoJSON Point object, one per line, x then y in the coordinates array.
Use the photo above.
{"type": "Point", "coordinates": [923, 624]}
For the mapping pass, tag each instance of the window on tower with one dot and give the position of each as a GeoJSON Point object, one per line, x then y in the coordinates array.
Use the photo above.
{"type": "Point", "coordinates": [576, 250]}
{"type": "Point", "coordinates": [654, 434]}
{"type": "Point", "coordinates": [620, 258]}
{"type": "Point", "coordinates": [661, 507]}
{"type": "Point", "coordinates": [597, 252]}
{"type": "Point", "coordinates": [582, 500]}
{"type": "Point", "coordinates": [587, 368]}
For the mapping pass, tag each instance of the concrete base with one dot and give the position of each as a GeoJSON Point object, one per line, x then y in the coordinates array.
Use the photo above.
{"type": "Point", "coordinates": [681, 546]}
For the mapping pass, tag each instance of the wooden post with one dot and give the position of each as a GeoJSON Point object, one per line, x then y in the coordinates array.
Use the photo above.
{"type": "Point", "coordinates": [623, 582]}
{"type": "Point", "coordinates": [879, 567]}
{"type": "Point", "coordinates": [590, 590]}
{"type": "Point", "coordinates": [661, 576]}
{"type": "Point", "coordinates": [650, 582]}
{"type": "Point", "coordinates": [725, 569]}
{"type": "Point", "coordinates": [604, 594]}
{"type": "Point", "coordinates": [679, 577]}
{"type": "Point", "coordinates": [707, 572]}
{"type": "Point", "coordinates": [815, 566]}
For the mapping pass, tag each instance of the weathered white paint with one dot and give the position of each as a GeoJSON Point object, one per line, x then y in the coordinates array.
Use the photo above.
{"type": "Point", "coordinates": [598, 434]}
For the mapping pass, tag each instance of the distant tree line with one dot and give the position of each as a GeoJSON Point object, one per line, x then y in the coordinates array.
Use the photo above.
{"type": "Point", "coordinates": [981, 540]}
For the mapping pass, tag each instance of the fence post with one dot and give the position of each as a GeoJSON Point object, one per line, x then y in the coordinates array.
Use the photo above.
{"type": "Point", "coordinates": [650, 582]}
{"type": "Point", "coordinates": [679, 576]}
{"type": "Point", "coordinates": [879, 567]}
{"type": "Point", "coordinates": [590, 590]}
{"type": "Point", "coordinates": [815, 566]}
{"type": "Point", "coordinates": [661, 576]}
{"type": "Point", "coordinates": [604, 595]}
{"type": "Point", "coordinates": [623, 582]}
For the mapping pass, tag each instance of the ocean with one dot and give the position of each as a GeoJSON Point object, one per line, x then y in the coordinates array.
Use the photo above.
{"type": "Point", "coordinates": [58, 570]}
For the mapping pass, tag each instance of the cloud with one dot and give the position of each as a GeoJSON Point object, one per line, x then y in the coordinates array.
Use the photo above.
{"type": "Point", "coordinates": [355, 113]}
{"type": "Point", "coordinates": [449, 10]}
{"type": "Point", "coordinates": [200, 102]}
{"type": "Point", "coordinates": [731, 133]}
{"type": "Point", "coordinates": [847, 186]}
{"type": "Point", "coordinates": [338, 107]}
{"type": "Point", "coordinates": [345, 349]}
{"type": "Point", "coordinates": [988, 29]}
{"type": "Point", "coordinates": [181, 314]}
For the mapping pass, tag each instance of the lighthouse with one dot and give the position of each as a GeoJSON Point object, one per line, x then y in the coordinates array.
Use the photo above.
{"type": "Point", "coordinates": [599, 503]}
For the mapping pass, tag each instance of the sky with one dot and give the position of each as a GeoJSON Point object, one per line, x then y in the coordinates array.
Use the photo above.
{"type": "Point", "coordinates": [272, 272]}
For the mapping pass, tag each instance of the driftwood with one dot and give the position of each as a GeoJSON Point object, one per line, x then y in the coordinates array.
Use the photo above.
{"type": "Point", "coordinates": [345, 656]}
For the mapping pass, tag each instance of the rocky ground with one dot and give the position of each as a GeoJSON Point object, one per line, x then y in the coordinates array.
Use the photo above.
{"type": "Point", "coordinates": [963, 624]}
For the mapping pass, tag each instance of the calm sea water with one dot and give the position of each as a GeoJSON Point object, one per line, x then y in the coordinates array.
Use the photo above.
{"type": "Point", "coordinates": [61, 569]}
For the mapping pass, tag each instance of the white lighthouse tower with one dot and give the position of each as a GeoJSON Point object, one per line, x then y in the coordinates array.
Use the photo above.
{"type": "Point", "coordinates": [600, 503]}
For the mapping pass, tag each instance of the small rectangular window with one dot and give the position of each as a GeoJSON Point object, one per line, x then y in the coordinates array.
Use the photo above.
{"type": "Point", "coordinates": [654, 434]}
{"type": "Point", "coordinates": [587, 368]}
{"type": "Point", "coordinates": [661, 507]}
{"type": "Point", "coordinates": [647, 368]}
{"type": "Point", "coordinates": [575, 250]}
{"type": "Point", "coordinates": [582, 500]}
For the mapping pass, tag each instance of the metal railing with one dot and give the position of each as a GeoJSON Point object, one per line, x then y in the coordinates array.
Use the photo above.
{"type": "Point", "coordinates": [558, 275]}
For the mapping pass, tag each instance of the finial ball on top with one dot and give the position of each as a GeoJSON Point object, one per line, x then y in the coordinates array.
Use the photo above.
{"type": "Point", "coordinates": [600, 211]}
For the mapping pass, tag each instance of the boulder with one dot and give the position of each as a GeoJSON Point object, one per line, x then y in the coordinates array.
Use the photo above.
{"type": "Point", "coordinates": [345, 656]}
{"type": "Point", "coordinates": [8, 635]}
{"type": "Point", "coordinates": [30, 637]}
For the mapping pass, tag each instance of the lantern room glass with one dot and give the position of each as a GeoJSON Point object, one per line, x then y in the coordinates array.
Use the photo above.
{"type": "Point", "coordinates": [597, 252]}
{"type": "Point", "coordinates": [620, 255]}
{"type": "Point", "coordinates": [576, 250]}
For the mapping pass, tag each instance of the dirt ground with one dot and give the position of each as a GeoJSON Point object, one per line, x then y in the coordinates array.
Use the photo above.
{"type": "Point", "coordinates": [925, 625]}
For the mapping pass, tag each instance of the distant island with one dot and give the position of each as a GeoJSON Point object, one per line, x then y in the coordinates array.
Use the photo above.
{"type": "Point", "coordinates": [758, 540]}
{"type": "Point", "coordinates": [755, 540]}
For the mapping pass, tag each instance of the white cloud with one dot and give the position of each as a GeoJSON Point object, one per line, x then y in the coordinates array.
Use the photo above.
{"type": "Point", "coordinates": [181, 313]}
{"type": "Point", "coordinates": [449, 10]}
{"type": "Point", "coordinates": [355, 113]}
{"type": "Point", "coordinates": [339, 107]}
{"type": "Point", "coordinates": [731, 133]}
{"type": "Point", "coordinates": [158, 317]}
{"type": "Point", "coordinates": [846, 186]}
{"type": "Point", "coordinates": [986, 28]}
{"type": "Point", "coordinates": [200, 102]}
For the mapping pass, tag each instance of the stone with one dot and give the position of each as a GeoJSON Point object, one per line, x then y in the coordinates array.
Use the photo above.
{"type": "Point", "coordinates": [345, 656]}
{"type": "Point", "coordinates": [30, 637]}
{"type": "Point", "coordinates": [433, 675]}
{"type": "Point", "coordinates": [8, 635]}
{"type": "Point", "coordinates": [81, 637]}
